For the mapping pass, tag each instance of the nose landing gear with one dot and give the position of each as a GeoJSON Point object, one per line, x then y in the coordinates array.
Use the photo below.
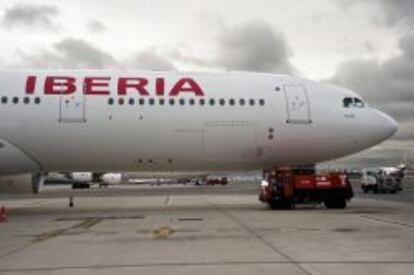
{"type": "Point", "coordinates": [38, 180]}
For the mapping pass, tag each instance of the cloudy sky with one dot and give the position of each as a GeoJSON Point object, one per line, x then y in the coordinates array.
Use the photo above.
{"type": "Point", "coordinates": [365, 45]}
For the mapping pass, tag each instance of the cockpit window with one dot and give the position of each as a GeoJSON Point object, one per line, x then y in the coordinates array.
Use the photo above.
{"type": "Point", "coordinates": [359, 103]}
{"type": "Point", "coordinates": [348, 102]}
{"type": "Point", "coordinates": [353, 102]}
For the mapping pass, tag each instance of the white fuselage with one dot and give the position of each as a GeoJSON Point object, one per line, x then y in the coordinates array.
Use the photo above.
{"type": "Point", "coordinates": [170, 121]}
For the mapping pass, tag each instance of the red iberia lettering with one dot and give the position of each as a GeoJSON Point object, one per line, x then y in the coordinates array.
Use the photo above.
{"type": "Point", "coordinates": [30, 84]}
{"type": "Point", "coordinates": [187, 85]}
{"type": "Point", "coordinates": [96, 85]}
{"type": "Point", "coordinates": [55, 85]}
{"type": "Point", "coordinates": [137, 84]}
{"type": "Point", "coordinates": [159, 86]}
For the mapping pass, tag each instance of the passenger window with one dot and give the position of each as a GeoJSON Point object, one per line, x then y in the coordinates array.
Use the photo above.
{"type": "Point", "coordinates": [161, 101]}
{"type": "Point", "coordinates": [212, 101]}
{"type": "Point", "coordinates": [252, 102]}
{"type": "Point", "coordinates": [172, 101]}
{"type": "Point", "coordinates": [15, 100]}
{"type": "Point", "coordinates": [222, 102]}
{"type": "Point", "coordinates": [131, 101]}
{"type": "Point", "coordinates": [110, 101]}
{"type": "Point", "coordinates": [121, 101]}
{"type": "Point", "coordinates": [26, 100]}
{"type": "Point", "coordinates": [151, 101]}
{"type": "Point", "coordinates": [202, 102]}
{"type": "Point", "coordinates": [141, 101]}
{"type": "Point", "coordinates": [4, 99]}
{"type": "Point", "coordinates": [348, 102]}
{"type": "Point", "coordinates": [182, 101]}
{"type": "Point", "coordinates": [242, 102]}
{"type": "Point", "coordinates": [191, 101]}
{"type": "Point", "coordinates": [37, 100]}
{"type": "Point", "coordinates": [262, 102]}
{"type": "Point", "coordinates": [232, 102]}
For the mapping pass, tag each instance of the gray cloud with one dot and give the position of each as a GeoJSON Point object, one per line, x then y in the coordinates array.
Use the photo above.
{"type": "Point", "coordinates": [96, 26]}
{"type": "Point", "coordinates": [254, 46]}
{"type": "Point", "coordinates": [73, 53]}
{"type": "Point", "coordinates": [79, 53]}
{"type": "Point", "coordinates": [398, 11]}
{"type": "Point", "coordinates": [30, 15]}
{"type": "Point", "coordinates": [388, 85]}
{"type": "Point", "coordinates": [150, 60]}
{"type": "Point", "coordinates": [69, 53]}
{"type": "Point", "coordinates": [395, 11]}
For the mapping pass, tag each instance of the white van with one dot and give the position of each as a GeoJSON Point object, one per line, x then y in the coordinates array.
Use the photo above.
{"type": "Point", "coordinates": [379, 181]}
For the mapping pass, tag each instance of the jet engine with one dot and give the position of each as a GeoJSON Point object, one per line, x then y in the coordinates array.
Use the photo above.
{"type": "Point", "coordinates": [82, 177]}
{"type": "Point", "coordinates": [111, 178]}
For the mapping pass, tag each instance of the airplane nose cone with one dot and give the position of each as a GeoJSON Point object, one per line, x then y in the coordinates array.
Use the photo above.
{"type": "Point", "coordinates": [389, 125]}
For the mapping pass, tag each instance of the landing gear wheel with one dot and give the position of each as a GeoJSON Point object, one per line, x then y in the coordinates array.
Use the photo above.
{"type": "Point", "coordinates": [80, 185]}
{"type": "Point", "coordinates": [37, 182]}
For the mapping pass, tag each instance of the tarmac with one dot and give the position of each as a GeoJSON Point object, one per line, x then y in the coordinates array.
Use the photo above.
{"type": "Point", "coordinates": [202, 230]}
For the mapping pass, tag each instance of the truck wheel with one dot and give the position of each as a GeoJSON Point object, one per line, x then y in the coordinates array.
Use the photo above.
{"type": "Point", "coordinates": [272, 205]}
{"type": "Point", "coordinates": [329, 204]}
{"type": "Point", "coordinates": [341, 204]}
{"type": "Point", "coordinates": [335, 203]}
{"type": "Point", "coordinates": [280, 204]}
{"type": "Point", "coordinates": [286, 204]}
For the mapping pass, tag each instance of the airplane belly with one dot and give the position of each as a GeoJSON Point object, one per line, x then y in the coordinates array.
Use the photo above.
{"type": "Point", "coordinates": [13, 160]}
{"type": "Point", "coordinates": [229, 142]}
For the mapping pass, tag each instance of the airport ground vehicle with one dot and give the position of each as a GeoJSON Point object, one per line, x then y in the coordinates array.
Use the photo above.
{"type": "Point", "coordinates": [285, 187]}
{"type": "Point", "coordinates": [217, 181]}
{"type": "Point", "coordinates": [379, 181]}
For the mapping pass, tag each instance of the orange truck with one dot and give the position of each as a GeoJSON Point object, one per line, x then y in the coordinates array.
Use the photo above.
{"type": "Point", "coordinates": [285, 187]}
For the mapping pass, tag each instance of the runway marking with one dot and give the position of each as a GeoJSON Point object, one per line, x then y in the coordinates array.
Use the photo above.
{"type": "Point", "coordinates": [261, 238]}
{"type": "Point", "coordinates": [167, 200]}
{"type": "Point", "coordinates": [394, 222]}
{"type": "Point", "coordinates": [220, 263]}
{"type": "Point", "coordinates": [49, 235]}
{"type": "Point", "coordinates": [86, 223]}
{"type": "Point", "coordinates": [117, 217]}
{"type": "Point", "coordinates": [190, 219]}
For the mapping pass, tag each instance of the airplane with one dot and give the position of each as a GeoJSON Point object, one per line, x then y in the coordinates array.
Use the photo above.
{"type": "Point", "coordinates": [397, 171]}
{"type": "Point", "coordinates": [101, 120]}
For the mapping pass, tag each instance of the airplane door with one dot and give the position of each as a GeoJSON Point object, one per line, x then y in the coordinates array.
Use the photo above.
{"type": "Point", "coordinates": [72, 107]}
{"type": "Point", "coordinates": [298, 106]}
